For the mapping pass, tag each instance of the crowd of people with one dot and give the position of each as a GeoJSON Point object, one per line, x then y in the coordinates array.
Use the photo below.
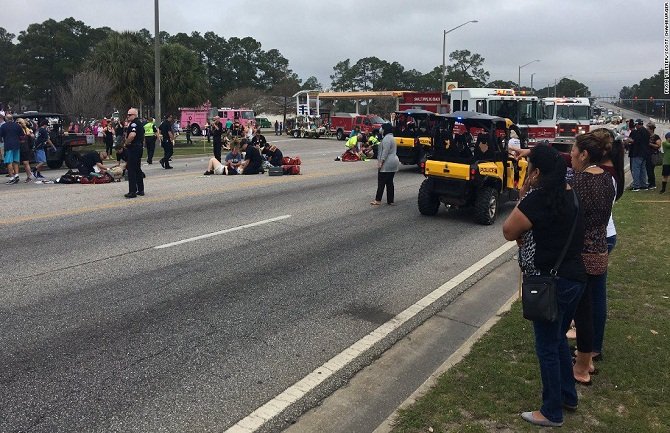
{"type": "Point", "coordinates": [23, 141]}
{"type": "Point", "coordinates": [567, 208]}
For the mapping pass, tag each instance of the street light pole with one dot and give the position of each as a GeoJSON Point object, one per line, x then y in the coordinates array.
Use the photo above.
{"type": "Point", "coordinates": [531, 82]}
{"type": "Point", "coordinates": [444, 50]}
{"type": "Point", "coordinates": [157, 65]}
{"type": "Point", "coordinates": [523, 66]}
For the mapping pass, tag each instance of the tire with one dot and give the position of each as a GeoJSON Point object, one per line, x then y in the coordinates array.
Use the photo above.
{"type": "Point", "coordinates": [428, 201]}
{"type": "Point", "coordinates": [195, 130]}
{"type": "Point", "coordinates": [486, 206]}
{"type": "Point", "coordinates": [296, 133]}
{"type": "Point", "coordinates": [72, 160]}
{"type": "Point", "coordinates": [340, 135]}
{"type": "Point", "coordinates": [54, 163]}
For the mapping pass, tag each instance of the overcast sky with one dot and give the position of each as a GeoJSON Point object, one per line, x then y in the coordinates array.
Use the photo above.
{"type": "Point", "coordinates": [604, 44]}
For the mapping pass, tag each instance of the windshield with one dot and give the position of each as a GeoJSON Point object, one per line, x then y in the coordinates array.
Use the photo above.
{"type": "Point", "coordinates": [527, 113]}
{"type": "Point", "coordinates": [376, 119]}
{"type": "Point", "coordinates": [249, 115]}
{"type": "Point", "coordinates": [573, 112]}
{"type": "Point", "coordinates": [548, 111]}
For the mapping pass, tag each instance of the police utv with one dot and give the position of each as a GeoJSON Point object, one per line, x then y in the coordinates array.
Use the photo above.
{"type": "Point", "coordinates": [459, 175]}
{"type": "Point", "coordinates": [412, 130]}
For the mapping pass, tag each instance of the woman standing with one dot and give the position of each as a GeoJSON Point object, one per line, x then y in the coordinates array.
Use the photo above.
{"type": "Point", "coordinates": [541, 224]}
{"type": "Point", "coordinates": [387, 164]}
{"type": "Point", "coordinates": [109, 138]}
{"type": "Point", "coordinates": [596, 192]}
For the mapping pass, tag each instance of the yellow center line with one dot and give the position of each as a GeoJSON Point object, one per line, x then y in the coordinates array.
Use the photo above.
{"type": "Point", "coordinates": [125, 203]}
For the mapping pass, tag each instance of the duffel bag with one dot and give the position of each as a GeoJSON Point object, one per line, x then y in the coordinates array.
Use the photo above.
{"type": "Point", "coordinates": [291, 169]}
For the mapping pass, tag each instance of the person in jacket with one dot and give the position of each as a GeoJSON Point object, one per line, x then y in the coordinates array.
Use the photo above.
{"type": "Point", "coordinates": [387, 166]}
{"type": "Point", "coordinates": [541, 224]}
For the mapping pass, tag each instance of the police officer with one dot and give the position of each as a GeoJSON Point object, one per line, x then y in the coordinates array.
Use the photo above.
{"type": "Point", "coordinates": [150, 139]}
{"type": "Point", "coordinates": [167, 141]}
{"type": "Point", "coordinates": [133, 148]}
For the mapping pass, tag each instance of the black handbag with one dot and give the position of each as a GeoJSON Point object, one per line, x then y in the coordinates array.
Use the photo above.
{"type": "Point", "coordinates": [538, 292]}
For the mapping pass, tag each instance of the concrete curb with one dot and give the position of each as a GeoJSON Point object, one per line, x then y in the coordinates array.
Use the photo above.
{"type": "Point", "coordinates": [455, 358]}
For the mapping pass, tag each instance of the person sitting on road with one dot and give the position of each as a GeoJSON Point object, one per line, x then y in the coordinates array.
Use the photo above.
{"type": "Point", "coordinates": [253, 161]}
{"type": "Point", "coordinates": [89, 161]}
{"type": "Point", "coordinates": [234, 158]}
{"type": "Point", "coordinates": [273, 154]}
{"type": "Point", "coordinates": [216, 167]}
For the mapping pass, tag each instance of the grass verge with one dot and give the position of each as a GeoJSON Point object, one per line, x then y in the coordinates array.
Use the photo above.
{"type": "Point", "coordinates": [500, 377]}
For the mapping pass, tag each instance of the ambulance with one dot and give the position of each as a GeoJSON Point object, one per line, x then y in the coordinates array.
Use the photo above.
{"type": "Point", "coordinates": [520, 108]}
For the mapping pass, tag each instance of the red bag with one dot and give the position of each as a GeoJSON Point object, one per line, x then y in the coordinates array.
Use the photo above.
{"type": "Point", "coordinates": [350, 157]}
{"type": "Point", "coordinates": [287, 160]}
{"type": "Point", "coordinates": [291, 169]}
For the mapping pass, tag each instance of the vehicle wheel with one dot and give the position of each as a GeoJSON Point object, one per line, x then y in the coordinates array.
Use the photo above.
{"type": "Point", "coordinates": [486, 206]}
{"type": "Point", "coordinates": [428, 201]}
{"type": "Point", "coordinates": [54, 163]}
{"type": "Point", "coordinates": [340, 135]}
{"type": "Point", "coordinates": [195, 130]}
{"type": "Point", "coordinates": [72, 160]}
{"type": "Point", "coordinates": [296, 133]}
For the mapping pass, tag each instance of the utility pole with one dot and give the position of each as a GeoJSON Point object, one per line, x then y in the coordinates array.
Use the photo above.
{"type": "Point", "coordinates": [157, 65]}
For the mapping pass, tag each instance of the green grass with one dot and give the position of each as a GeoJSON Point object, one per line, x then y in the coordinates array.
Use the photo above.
{"type": "Point", "coordinates": [180, 148]}
{"type": "Point", "coordinates": [500, 377]}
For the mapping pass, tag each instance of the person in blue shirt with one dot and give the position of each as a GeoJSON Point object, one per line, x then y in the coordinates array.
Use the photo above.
{"type": "Point", "coordinates": [11, 133]}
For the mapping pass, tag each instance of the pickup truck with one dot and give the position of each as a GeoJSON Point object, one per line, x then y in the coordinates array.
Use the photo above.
{"type": "Point", "coordinates": [65, 143]}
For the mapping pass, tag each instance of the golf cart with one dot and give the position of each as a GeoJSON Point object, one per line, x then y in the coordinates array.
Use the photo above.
{"type": "Point", "coordinates": [454, 175]}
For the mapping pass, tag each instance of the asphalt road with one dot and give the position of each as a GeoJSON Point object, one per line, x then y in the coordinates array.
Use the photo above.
{"type": "Point", "coordinates": [104, 332]}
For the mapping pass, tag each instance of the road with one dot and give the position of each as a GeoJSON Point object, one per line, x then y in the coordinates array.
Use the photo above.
{"type": "Point", "coordinates": [119, 316]}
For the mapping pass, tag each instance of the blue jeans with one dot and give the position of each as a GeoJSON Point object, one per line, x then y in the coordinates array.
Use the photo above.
{"type": "Point", "coordinates": [638, 169]}
{"type": "Point", "coordinates": [553, 353]}
{"type": "Point", "coordinates": [599, 302]}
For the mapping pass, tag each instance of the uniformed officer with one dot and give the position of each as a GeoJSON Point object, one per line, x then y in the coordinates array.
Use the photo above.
{"type": "Point", "coordinates": [150, 139]}
{"type": "Point", "coordinates": [167, 141]}
{"type": "Point", "coordinates": [133, 148]}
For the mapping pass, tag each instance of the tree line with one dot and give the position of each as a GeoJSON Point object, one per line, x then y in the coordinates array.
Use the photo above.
{"type": "Point", "coordinates": [86, 72]}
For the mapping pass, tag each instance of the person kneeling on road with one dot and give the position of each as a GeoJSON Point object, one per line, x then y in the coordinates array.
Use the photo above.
{"type": "Point", "coordinates": [253, 161]}
{"type": "Point", "coordinates": [89, 161]}
{"type": "Point", "coordinates": [273, 155]}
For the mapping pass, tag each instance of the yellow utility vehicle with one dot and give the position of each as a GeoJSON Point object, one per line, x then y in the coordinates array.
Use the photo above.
{"type": "Point", "coordinates": [470, 166]}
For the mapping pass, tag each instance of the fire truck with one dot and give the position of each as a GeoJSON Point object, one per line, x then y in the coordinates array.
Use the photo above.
{"type": "Point", "coordinates": [519, 108]}
{"type": "Point", "coordinates": [568, 116]}
{"type": "Point", "coordinates": [197, 117]}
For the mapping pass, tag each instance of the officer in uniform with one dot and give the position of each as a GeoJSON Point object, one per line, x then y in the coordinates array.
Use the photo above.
{"type": "Point", "coordinates": [150, 139]}
{"type": "Point", "coordinates": [133, 148]}
{"type": "Point", "coordinates": [167, 141]}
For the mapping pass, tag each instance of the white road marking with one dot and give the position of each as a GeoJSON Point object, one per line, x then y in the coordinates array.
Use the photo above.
{"type": "Point", "coordinates": [294, 393]}
{"type": "Point", "coordinates": [233, 229]}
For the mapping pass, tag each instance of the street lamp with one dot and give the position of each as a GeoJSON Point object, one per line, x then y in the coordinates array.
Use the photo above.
{"type": "Point", "coordinates": [157, 65]}
{"type": "Point", "coordinates": [444, 49]}
{"type": "Point", "coordinates": [523, 66]}
{"type": "Point", "coordinates": [531, 81]}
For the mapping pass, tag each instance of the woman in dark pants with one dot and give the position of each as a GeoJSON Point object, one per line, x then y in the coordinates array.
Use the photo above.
{"type": "Point", "coordinates": [541, 224]}
{"type": "Point", "coordinates": [388, 164]}
{"type": "Point", "coordinates": [596, 192]}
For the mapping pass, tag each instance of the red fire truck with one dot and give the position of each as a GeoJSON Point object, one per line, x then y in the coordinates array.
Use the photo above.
{"type": "Point", "coordinates": [521, 109]}
{"type": "Point", "coordinates": [341, 124]}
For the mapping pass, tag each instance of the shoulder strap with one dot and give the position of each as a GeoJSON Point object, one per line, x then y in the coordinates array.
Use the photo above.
{"type": "Point", "coordinates": [554, 270]}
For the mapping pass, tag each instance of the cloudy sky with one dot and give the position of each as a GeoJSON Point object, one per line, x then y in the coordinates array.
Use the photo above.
{"type": "Point", "coordinates": [605, 44]}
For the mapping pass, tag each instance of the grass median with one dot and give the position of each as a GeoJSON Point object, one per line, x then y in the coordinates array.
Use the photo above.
{"type": "Point", "coordinates": [500, 377]}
